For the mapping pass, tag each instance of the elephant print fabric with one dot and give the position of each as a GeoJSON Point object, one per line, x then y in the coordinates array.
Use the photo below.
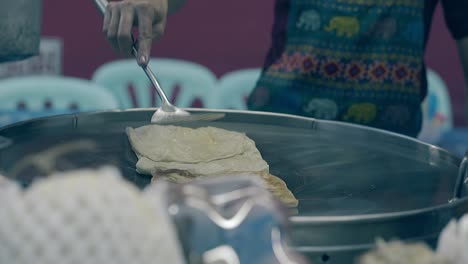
{"type": "Point", "coordinates": [358, 61]}
{"type": "Point", "coordinates": [344, 26]}
{"type": "Point", "coordinates": [385, 29]}
{"type": "Point", "coordinates": [309, 20]}
{"type": "Point", "coordinates": [361, 113]}
{"type": "Point", "coordinates": [322, 109]}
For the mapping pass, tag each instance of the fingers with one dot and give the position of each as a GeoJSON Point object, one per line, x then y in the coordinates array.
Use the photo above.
{"type": "Point", "coordinates": [145, 33]}
{"type": "Point", "coordinates": [107, 18]}
{"type": "Point", "coordinates": [124, 33]}
{"type": "Point", "coordinates": [118, 24]}
{"type": "Point", "coordinates": [111, 25]}
{"type": "Point", "coordinates": [119, 19]}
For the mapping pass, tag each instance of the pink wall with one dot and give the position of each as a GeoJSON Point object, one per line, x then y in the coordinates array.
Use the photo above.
{"type": "Point", "coordinates": [235, 36]}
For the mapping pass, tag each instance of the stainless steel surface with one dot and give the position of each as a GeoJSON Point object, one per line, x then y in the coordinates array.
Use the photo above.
{"type": "Point", "coordinates": [46, 161]}
{"type": "Point", "coordinates": [353, 183]}
{"type": "Point", "coordinates": [20, 29]}
{"type": "Point", "coordinates": [461, 186]}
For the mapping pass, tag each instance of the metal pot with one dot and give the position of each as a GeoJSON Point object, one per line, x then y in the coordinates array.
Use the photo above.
{"type": "Point", "coordinates": [20, 29]}
{"type": "Point", "coordinates": [353, 183]}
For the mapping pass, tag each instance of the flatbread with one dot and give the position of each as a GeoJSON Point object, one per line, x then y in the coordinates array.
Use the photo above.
{"type": "Point", "coordinates": [280, 190]}
{"type": "Point", "coordinates": [187, 145]}
{"type": "Point", "coordinates": [182, 154]}
{"type": "Point", "coordinates": [274, 184]}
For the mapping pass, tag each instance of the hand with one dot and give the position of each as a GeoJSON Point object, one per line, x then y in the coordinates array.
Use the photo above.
{"type": "Point", "coordinates": [120, 18]}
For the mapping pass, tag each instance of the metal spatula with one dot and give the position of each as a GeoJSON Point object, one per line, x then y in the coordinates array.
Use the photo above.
{"type": "Point", "coordinates": [167, 113]}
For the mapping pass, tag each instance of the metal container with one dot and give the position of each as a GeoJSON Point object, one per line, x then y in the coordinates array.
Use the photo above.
{"type": "Point", "coordinates": [353, 183]}
{"type": "Point", "coordinates": [20, 29]}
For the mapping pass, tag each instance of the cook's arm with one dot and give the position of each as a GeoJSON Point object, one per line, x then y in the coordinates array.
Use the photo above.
{"type": "Point", "coordinates": [149, 15]}
{"type": "Point", "coordinates": [463, 51]}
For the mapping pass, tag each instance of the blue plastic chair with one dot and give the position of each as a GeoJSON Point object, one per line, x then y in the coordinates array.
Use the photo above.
{"type": "Point", "coordinates": [437, 109]}
{"type": "Point", "coordinates": [455, 141]}
{"type": "Point", "coordinates": [23, 98]}
{"type": "Point", "coordinates": [234, 88]}
{"type": "Point", "coordinates": [186, 84]}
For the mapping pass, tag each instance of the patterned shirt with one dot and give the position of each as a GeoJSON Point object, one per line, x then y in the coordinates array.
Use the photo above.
{"type": "Point", "coordinates": [358, 61]}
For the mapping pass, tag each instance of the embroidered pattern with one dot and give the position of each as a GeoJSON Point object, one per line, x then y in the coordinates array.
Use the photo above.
{"type": "Point", "coordinates": [351, 60]}
{"type": "Point", "coordinates": [363, 113]}
{"type": "Point", "coordinates": [322, 109]}
{"type": "Point", "coordinates": [303, 65]}
{"type": "Point", "coordinates": [344, 26]}
{"type": "Point", "coordinates": [309, 20]}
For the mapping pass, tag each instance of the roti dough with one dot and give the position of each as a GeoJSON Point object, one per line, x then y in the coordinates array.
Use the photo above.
{"type": "Point", "coordinates": [183, 154]}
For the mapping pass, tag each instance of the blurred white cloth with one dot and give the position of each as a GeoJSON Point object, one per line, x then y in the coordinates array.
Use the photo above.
{"type": "Point", "coordinates": [84, 216]}
{"type": "Point", "coordinates": [397, 252]}
{"type": "Point", "coordinates": [453, 241]}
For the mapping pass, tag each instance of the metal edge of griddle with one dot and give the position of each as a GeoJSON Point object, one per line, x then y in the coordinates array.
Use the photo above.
{"type": "Point", "coordinates": [312, 124]}
{"type": "Point", "coordinates": [320, 220]}
{"type": "Point", "coordinates": [354, 230]}
{"type": "Point", "coordinates": [74, 118]}
{"type": "Point", "coordinates": [461, 185]}
{"type": "Point", "coordinates": [315, 125]}
{"type": "Point", "coordinates": [363, 246]}
{"type": "Point", "coordinates": [344, 254]}
{"type": "Point", "coordinates": [286, 120]}
{"type": "Point", "coordinates": [437, 215]}
{"type": "Point", "coordinates": [434, 152]}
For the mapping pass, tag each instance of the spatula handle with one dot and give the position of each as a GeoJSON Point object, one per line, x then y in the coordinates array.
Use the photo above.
{"type": "Point", "coordinates": [461, 185]}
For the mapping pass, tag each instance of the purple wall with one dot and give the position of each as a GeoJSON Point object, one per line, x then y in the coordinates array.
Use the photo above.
{"type": "Point", "coordinates": [442, 56]}
{"type": "Point", "coordinates": [235, 36]}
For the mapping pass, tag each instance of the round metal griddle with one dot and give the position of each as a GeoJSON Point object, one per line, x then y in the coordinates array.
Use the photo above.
{"type": "Point", "coordinates": [354, 183]}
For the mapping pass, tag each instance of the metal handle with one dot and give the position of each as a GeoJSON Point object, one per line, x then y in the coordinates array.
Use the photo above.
{"type": "Point", "coordinates": [166, 105]}
{"type": "Point", "coordinates": [462, 179]}
{"type": "Point", "coordinates": [101, 5]}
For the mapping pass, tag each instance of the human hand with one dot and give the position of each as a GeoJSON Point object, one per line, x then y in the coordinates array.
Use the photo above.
{"type": "Point", "coordinates": [149, 16]}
